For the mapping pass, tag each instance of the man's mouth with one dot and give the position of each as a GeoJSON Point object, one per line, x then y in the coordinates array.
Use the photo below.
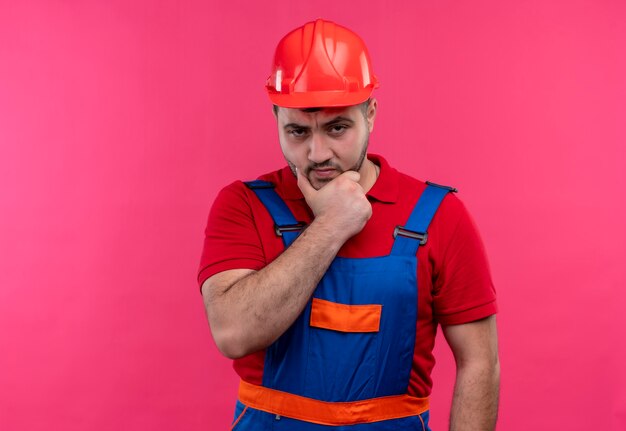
{"type": "Point", "coordinates": [324, 172]}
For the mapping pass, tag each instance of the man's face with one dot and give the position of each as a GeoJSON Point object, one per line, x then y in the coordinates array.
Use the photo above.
{"type": "Point", "coordinates": [326, 142]}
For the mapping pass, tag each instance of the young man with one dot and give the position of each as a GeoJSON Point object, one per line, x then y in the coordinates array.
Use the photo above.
{"type": "Point", "coordinates": [325, 280]}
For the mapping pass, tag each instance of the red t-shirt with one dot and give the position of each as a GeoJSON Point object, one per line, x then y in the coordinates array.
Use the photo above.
{"type": "Point", "coordinates": [453, 272]}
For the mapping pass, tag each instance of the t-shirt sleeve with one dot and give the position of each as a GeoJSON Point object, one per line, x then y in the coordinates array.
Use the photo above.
{"type": "Point", "coordinates": [231, 240]}
{"type": "Point", "coordinates": [463, 289]}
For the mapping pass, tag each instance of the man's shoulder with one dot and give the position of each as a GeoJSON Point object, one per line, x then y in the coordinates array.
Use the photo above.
{"type": "Point", "coordinates": [238, 191]}
{"type": "Point", "coordinates": [417, 184]}
{"type": "Point", "coordinates": [410, 181]}
{"type": "Point", "coordinates": [451, 208]}
{"type": "Point", "coordinates": [275, 177]}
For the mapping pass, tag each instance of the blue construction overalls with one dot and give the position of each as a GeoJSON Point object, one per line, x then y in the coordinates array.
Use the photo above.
{"type": "Point", "coordinates": [345, 363]}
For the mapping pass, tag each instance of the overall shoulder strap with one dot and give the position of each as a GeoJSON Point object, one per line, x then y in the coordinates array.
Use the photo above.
{"type": "Point", "coordinates": [415, 232]}
{"type": "Point", "coordinates": [285, 224]}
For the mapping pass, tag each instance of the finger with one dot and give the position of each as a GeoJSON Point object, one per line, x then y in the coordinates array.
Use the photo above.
{"type": "Point", "coordinates": [304, 185]}
{"type": "Point", "coordinates": [352, 175]}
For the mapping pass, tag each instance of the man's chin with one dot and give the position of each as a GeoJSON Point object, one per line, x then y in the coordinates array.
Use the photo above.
{"type": "Point", "coordinates": [319, 183]}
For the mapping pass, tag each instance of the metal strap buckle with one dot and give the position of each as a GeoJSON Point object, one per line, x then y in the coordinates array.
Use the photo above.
{"type": "Point", "coordinates": [289, 228]}
{"type": "Point", "coordinates": [421, 236]}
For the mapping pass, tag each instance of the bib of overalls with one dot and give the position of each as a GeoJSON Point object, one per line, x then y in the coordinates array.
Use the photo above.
{"type": "Point", "coordinates": [355, 338]}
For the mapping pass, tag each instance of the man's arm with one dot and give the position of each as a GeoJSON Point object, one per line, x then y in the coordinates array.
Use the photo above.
{"type": "Point", "coordinates": [475, 400]}
{"type": "Point", "coordinates": [248, 310]}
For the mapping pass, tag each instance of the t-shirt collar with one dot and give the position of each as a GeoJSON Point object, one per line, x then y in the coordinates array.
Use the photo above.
{"type": "Point", "coordinates": [385, 188]}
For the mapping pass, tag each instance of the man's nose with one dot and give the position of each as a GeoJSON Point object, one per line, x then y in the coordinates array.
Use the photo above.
{"type": "Point", "coordinates": [319, 149]}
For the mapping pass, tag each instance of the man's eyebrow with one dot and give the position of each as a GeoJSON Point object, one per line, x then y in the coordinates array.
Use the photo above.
{"type": "Point", "coordinates": [295, 126]}
{"type": "Point", "coordinates": [338, 119]}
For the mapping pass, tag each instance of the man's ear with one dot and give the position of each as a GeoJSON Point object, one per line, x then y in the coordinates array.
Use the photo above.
{"type": "Point", "coordinates": [371, 113]}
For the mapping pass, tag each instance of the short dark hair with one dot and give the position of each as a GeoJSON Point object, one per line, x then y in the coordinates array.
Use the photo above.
{"type": "Point", "coordinates": [362, 105]}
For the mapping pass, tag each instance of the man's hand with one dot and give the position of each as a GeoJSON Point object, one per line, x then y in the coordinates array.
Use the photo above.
{"type": "Point", "coordinates": [342, 203]}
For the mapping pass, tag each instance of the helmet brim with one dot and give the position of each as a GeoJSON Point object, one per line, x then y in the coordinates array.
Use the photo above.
{"type": "Point", "coordinates": [320, 99]}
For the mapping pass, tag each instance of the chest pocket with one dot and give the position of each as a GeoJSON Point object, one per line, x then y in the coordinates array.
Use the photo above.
{"type": "Point", "coordinates": [345, 318]}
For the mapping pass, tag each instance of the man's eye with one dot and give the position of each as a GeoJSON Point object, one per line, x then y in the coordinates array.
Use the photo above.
{"type": "Point", "coordinates": [297, 133]}
{"type": "Point", "coordinates": [337, 129]}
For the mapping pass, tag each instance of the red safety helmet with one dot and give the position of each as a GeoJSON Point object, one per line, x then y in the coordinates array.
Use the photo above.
{"type": "Point", "coordinates": [321, 64]}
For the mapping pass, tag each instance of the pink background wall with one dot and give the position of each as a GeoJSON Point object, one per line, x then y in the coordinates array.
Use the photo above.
{"type": "Point", "coordinates": [119, 122]}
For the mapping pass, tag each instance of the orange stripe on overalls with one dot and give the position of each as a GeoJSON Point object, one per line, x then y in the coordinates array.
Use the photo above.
{"type": "Point", "coordinates": [326, 413]}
